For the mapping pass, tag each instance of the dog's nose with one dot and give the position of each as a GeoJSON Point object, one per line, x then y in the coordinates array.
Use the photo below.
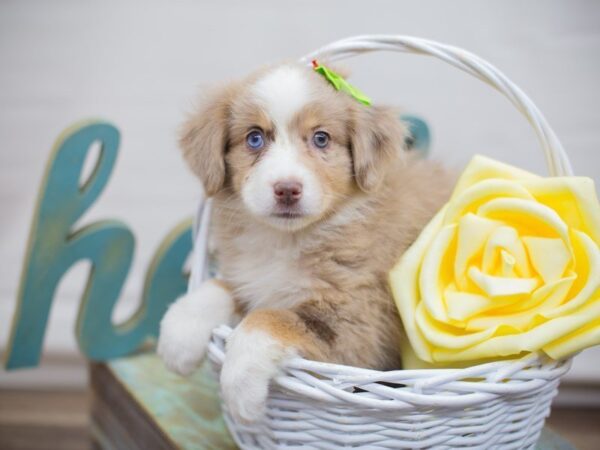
{"type": "Point", "coordinates": [287, 192]}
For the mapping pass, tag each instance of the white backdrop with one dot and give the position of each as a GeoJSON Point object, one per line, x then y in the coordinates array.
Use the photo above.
{"type": "Point", "coordinates": [140, 65]}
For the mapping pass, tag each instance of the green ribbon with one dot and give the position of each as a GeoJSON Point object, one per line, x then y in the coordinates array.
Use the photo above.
{"type": "Point", "coordinates": [339, 83]}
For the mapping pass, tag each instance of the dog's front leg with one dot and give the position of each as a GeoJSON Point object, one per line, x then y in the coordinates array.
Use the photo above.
{"type": "Point", "coordinates": [257, 348]}
{"type": "Point", "coordinates": [187, 325]}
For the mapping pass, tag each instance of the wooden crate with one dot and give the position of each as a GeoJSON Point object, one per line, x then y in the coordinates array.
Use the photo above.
{"type": "Point", "coordinates": [138, 405]}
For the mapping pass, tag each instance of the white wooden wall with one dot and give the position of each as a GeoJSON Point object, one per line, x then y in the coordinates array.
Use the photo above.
{"type": "Point", "coordinates": [140, 64]}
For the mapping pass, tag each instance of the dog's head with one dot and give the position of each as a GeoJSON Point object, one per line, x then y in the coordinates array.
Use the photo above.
{"type": "Point", "coordinates": [289, 146]}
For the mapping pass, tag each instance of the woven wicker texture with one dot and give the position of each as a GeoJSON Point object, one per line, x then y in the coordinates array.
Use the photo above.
{"type": "Point", "coordinates": [327, 406]}
{"type": "Point", "coordinates": [316, 405]}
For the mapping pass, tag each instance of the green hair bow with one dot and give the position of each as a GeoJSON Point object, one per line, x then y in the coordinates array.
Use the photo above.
{"type": "Point", "coordinates": [339, 83]}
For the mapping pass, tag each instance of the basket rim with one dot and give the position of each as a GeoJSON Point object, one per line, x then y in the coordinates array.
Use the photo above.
{"type": "Point", "coordinates": [509, 366]}
{"type": "Point", "coordinates": [457, 388]}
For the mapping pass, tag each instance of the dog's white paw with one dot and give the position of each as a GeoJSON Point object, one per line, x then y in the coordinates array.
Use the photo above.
{"type": "Point", "coordinates": [252, 359]}
{"type": "Point", "coordinates": [186, 328]}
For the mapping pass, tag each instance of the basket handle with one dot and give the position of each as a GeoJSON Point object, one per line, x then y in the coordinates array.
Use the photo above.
{"type": "Point", "coordinates": [556, 157]}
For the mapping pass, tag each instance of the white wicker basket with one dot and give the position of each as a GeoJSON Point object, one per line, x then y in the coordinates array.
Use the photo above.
{"type": "Point", "coordinates": [316, 405]}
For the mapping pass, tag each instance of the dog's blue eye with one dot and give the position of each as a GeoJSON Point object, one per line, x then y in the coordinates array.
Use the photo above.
{"type": "Point", "coordinates": [255, 140]}
{"type": "Point", "coordinates": [321, 139]}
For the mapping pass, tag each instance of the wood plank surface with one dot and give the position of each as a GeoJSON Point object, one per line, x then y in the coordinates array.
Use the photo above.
{"type": "Point", "coordinates": [44, 420]}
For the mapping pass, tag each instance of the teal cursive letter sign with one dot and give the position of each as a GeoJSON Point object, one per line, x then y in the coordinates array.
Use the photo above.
{"type": "Point", "coordinates": [55, 245]}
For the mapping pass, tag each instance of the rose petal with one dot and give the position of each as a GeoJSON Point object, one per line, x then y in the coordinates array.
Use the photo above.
{"type": "Point", "coordinates": [522, 314]}
{"type": "Point", "coordinates": [507, 264]}
{"type": "Point", "coordinates": [482, 168]}
{"type": "Point", "coordinates": [473, 197]}
{"type": "Point", "coordinates": [502, 344]}
{"type": "Point", "coordinates": [549, 256]}
{"type": "Point", "coordinates": [461, 306]}
{"type": "Point", "coordinates": [526, 215]}
{"type": "Point", "coordinates": [501, 286]}
{"type": "Point", "coordinates": [473, 232]}
{"type": "Point", "coordinates": [404, 284]}
{"type": "Point", "coordinates": [439, 334]}
{"type": "Point", "coordinates": [573, 198]}
{"type": "Point", "coordinates": [551, 295]}
{"type": "Point", "coordinates": [588, 271]}
{"type": "Point", "coordinates": [584, 337]}
{"type": "Point", "coordinates": [430, 285]}
{"type": "Point", "coordinates": [507, 238]}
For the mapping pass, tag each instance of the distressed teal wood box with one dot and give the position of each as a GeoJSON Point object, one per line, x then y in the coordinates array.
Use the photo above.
{"type": "Point", "coordinates": [138, 404]}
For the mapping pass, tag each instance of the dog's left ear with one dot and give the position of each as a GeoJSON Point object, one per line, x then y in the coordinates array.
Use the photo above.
{"type": "Point", "coordinates": [376, 138]}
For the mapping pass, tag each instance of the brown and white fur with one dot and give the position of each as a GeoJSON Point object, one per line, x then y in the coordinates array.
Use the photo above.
{"type": "Point", "coordinates": [307, 274]}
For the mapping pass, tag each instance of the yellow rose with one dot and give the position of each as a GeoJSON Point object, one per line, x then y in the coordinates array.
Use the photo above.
{"type": "Point", "coordinates": [511, 264]}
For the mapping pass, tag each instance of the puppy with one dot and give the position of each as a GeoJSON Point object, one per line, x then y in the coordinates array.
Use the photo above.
{"type": "Point", "coordinates": [314, 201]}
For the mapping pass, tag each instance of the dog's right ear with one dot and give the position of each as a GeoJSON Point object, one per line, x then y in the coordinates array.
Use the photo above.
{"type": "Point", "coordinates": [377, 137]}
{"type": "Point", "coordinates": [203, 139]}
